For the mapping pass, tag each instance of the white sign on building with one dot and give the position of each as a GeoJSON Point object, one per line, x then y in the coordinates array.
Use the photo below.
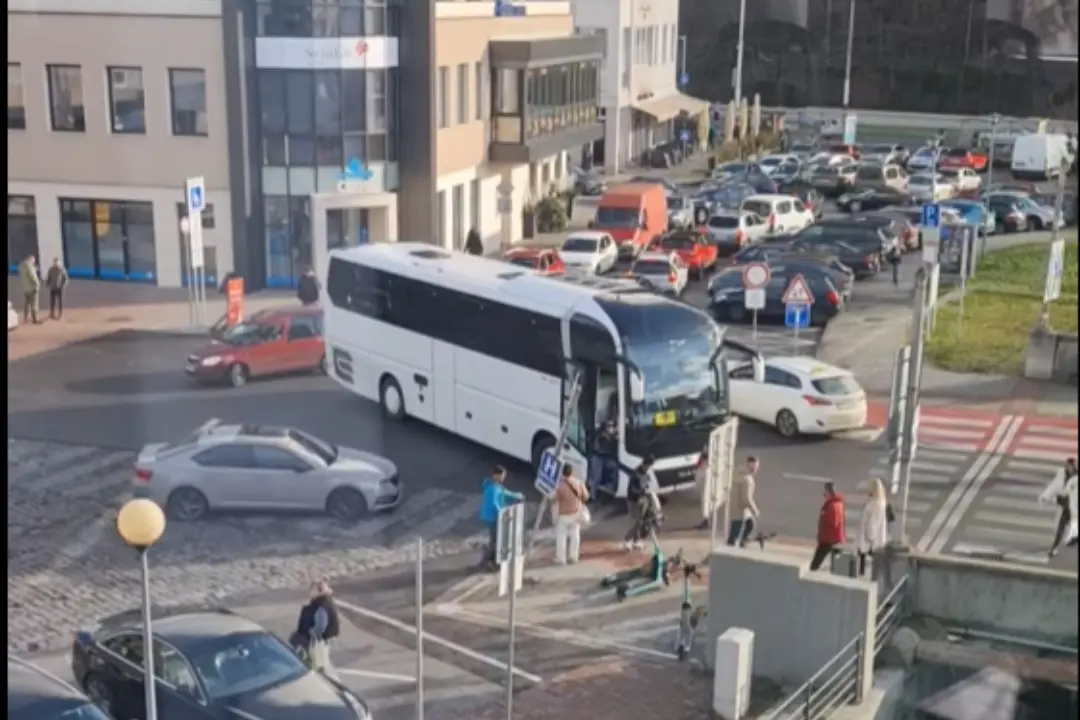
{"type": "Point", "coordinates": [326, 53]}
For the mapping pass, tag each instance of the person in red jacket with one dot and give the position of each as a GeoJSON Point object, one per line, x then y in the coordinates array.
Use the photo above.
{"type": "Point", "coordinates": [830, 528]}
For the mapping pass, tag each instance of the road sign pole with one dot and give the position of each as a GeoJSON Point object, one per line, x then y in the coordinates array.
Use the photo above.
{"type": "Point", "coordinates": [965, 256]}
{"type": "Point", "coordinates": [909, 441]}
{"type": "Point", "coordinates": [419, 628]}
{"type": "Point", "coordinates": [754, 326]}
{"type": "Point", "coordinates": [189, 273]}
{"type": "Point", "coordinates": [1055, 235]}
{"type": "Point", "coordinates": [795, 339]}
{"type": "Point", "coordinates": [512, 622]}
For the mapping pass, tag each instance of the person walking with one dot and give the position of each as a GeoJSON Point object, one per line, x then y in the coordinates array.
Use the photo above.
{"type": "Point", "coordinates": [473, 244]}
{"type": "Point", "coordinates": [30, 284]}
{"type": "Point", "coordinates": [744, 511]}
{"type": "Point", "coordinates": [56, 280]}
{"type": "Point", "coordinates": [307, 288]}
{"type": "Point", "coordinates": [894, 257]}
{"type": "Point", "coordinates": [319, 624]}
{"type": "Point", "coordinates": [495, 497]}
{"type": "Point", "coordinates": [1062, 491]}
{"type": "Point", "coordinates": [873, 523]}
{"type": "Point", "coordinates": [831, 531]}
{"type": "Point", "coordinates": [570, 514]}
{"type": "Point", "coordinates": [642, 503]}
{"type": "Point", "coordinates": [603, 462]}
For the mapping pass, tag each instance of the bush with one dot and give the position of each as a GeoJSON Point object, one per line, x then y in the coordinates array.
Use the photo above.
{"type": "Point", "coordinates": [551, 214]}
{"type": "Point", "coordinates": [728, 152]}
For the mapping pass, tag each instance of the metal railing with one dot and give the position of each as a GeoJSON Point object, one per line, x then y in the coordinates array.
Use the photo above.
{"type": "Point", "coordinates": [890, 613]}
{"type": "Point", "coordinates": [836, 684]}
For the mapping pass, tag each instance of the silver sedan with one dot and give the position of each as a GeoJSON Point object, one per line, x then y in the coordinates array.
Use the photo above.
{"type": "Point", "coordinates": [263, 468]}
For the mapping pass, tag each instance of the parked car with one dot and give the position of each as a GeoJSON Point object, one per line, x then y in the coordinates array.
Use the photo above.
{"type": "Point", "coordinates": [680, 212]}
{"type": "Point", "coordinates": [588, 182]}
{"type": "Point", "coordinates": [669, 187]}
{"type": "Point", "coordinates": [770, 164]}
{"type": "Point", "coordinates": [590, 252]}
{"type": "Point", "coordinates": [543, 260]}
{"type": "Point", "coordinates": [874, 176]}
{"type": "Point", "coordinates": [872, 199]}
{"type": "Point", "coordinates": [958, 157]}
{"type": "Point", "coordinates": [730, 230]}
{"type": "Point", "coordinates": [803, 151]}
{"type": "Point", "coordinates": [862, 236]}
{"type": "Point", "coordinates": [1049, 199]}
{"type": "Point", "coordinates": [270, 342]}
{"type": "Point", "coordinates": [663, 272]}
{"type": "Point", "coordinates": [1038, 216]}
{"type": "Point", "coordinates": [893, 222]}
{"type": "Point", "coordinates": [208, 665]}
{"type": "Point", "coordinates": [811, 198]}
{"type": "Point", "coordinates": [734, 170]}
{"type": "Point", "coordinates": [852, 151]}
{"type": "Point", "coordinates": [965, 180]}
{"type": "Point", "coordinates": [842, 275]}
{"type": "Point", "coordinates": [263, 468]}
{"type": "Point", "coordinates": [974, 212]}
{"type": "Point", "coordinates": [884, 154]}
{"type": "Point", "coordinates": [925, 187]}
{"type": "Point", "coordinates": [727, 299]}
{"type": "Point", "coordinates": [890, 227]}
{"type": "Point", "coordinates": [799, 396]}
{"type": "Point", "coordinates": [718, 198]}
{"type": "Point", "coordinates": [834, 180]}
{"type": "Point", "coordinates": [1008, 216]}
{"type": "Point", "coordinates": [922, 160]}
{"type": "Point", "coordinates": [34, 694]}
{"type": "Point", "coordinates": [696, 250]}
{"type": "Point", "coordinates": [782, 213]}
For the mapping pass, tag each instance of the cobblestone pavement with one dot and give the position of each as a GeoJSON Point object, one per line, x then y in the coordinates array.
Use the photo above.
{"type": "Point", "coordinates": [66, 567]}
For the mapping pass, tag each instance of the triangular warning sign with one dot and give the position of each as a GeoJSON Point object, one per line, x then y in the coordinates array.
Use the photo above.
{"type": "Point", "coordinates": [798, 292]}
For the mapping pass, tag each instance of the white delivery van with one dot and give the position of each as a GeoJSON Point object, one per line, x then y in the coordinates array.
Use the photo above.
{"type": "Point", "coordinates": [1040, 156]}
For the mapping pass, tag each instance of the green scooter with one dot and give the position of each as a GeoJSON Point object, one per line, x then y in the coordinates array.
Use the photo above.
{"type": "Point", "coordinates": [643, 579]}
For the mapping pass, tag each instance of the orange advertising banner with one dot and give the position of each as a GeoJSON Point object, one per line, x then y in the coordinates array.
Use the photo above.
{"type": "Point", "coordinates": [234, 301]}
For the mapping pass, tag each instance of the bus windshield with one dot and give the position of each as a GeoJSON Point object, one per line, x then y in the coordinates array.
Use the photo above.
{"type": "Point", "coordinates": [671, 345]}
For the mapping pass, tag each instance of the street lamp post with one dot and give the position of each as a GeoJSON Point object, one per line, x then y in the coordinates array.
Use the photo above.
{"type": "Point", "coordinates": [740, 51]}
{"type": "Point", "coordinates": [140, 524]}
{"type": "Point", "coordinates": [849, 51]}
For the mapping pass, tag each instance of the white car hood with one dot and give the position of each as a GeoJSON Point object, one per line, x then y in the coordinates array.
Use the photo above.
{"type": "Point", "coordinates": [359, 461]}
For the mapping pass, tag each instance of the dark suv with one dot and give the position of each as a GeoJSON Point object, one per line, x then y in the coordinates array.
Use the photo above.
{"type": "Point", "coordinates": [34, 694]}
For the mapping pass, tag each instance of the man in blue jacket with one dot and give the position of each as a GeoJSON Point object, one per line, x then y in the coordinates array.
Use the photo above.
{"type": "Point", "coordinates": [495, 498]}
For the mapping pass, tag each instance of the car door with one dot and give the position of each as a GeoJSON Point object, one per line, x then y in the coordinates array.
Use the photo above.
{"type": "Point", "coordinates": [743, 392]}
{"type": "Point", "coordinates": [776, 393]}
{"type": "Point", "coordinates": [179, 694]}
{"type": "Point", "coordinates": [266, 356]}
{"type": "Point", "coordinates": [279, 480]}
{"type": "Point", "coordinates": [303, 344]}
{"type": "Point", "coordinates": [786, 220]}
{"type": "Point", "coordinates": [223, 475]}
{"type": "Point", "coordinates": [120, 662]}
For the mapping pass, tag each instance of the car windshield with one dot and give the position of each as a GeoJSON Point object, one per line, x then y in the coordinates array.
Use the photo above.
{"type": "Point", "coordinates": [839, 385]}
{"type": "Point", "coordinates": [919, 180]}
{"type": "Point", "coordinates": [825, 170]}
{"type": "Point", "coordinates": [249, 333]}
{"type": "Point", "coordinates": [870, 172]}
{"type": "Point", "coordinates": [324, 451]}
{"type": "Point", "coordinates": [676, 202]}
{"type": "Point", "coordinates": [242, 662]}
{"type": "Point", "coordinates": [652, 267]}
{"type": "Point", "coordinates": [732, 168]}
{"type": "Point", "coordinates": [758, 207]}
{"type": "Point", "coordinates": [617, 217]}
{"type": "Point", "coordinates": [949, 173]}
{"type": "Point", "coordinates": [772, 161]}
{"type": "Point", "coordinates": [525, 262]}
{"type": "Point", "coordinates": [677, 242]}
{"type": "Point", "coordinates": [579, 244]}
{"type": "Point", "coordinates": [956, 153]}
{"type": "Point", "coordinates": [723, 221]}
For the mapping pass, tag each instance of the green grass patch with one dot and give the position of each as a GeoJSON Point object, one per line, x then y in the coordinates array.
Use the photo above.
{"type": "Point", "coordinates": [1001, 308]}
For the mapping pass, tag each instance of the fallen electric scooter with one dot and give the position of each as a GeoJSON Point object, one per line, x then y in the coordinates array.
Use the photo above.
{"type": "Point", "coordinates": [654, 574]}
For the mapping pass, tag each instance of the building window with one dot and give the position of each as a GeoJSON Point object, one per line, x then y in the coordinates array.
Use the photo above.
{"type": "Point", "coordinates": [440, 214]}
{"type": "Point", "coordinates": [376, 101]}
{"type": "Point", "coordinates": [474, 205]}
{"type": "Point", "coordinates": [108, 239]}
{"type": "Point", "coordinates": [16, 109]}
{"type": "Point", "coordinates": [442, 97]}
{"type": "Point", "coordinates": [278, 246]}
{"type": "Point", "coordinates": [187, 98]}
{"type": "Point", "coordinates": [127, 100]}
{"type": "Point", "coordinates": [284, 19]}
{"type": "Point", "coordinates": [626, 59]}
{"type": "Point", "coordinates": [22, 230]}
{"type": "Point", "coordinates": [478, 100]}
{"type": "Point", "coordinates": [66, 98]}
{"type": "Point", "coordinates": [458, 200]}
{"type": "Point", "coordinates": [674, 41]}
{"type": "Point", "coordinates": [507, 92]}
{"type": "Point", "coordinates": [462, 94]}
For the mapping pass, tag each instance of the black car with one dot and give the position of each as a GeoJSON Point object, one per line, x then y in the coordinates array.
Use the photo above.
{"type": "Point", "coordinates": [34, 694]}
{"type": "Point", "coordinates": [862, 236]}
{"type": "Point", "coordinates": [891, 228]}
{"type": "Point", "coordinates": [860, 263]}
{"type": "Point", "coordinates": [209, 665]}
{"type": "Point", "coordinates": [843, 274]}
{"type": "Point", "coordinates": [727, 293]}
{"type": "Point", "coordinates": [859, 200]}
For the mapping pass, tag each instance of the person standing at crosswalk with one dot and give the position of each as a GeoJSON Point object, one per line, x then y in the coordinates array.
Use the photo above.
{"type": "Point", "coordinates": [873, 523]}
{"type": "Point", "coordinates": [1062, 491]}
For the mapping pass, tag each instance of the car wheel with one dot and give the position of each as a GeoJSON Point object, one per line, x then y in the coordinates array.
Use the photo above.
{"type": "Point", "coordinates": [186, 504]}
{"type": "Point", "coordinates": [787, 424]}
{"type": "Point", "coordinates": [1035, 223]}
{"type": "Point", "coordinates": [97, 689]}
{"type": "Point", "coordinates": [346, 504]}
{"type": "Point", "coordinates": [238, 375]}
{"type": "Point", "coordinates": [391, 400]}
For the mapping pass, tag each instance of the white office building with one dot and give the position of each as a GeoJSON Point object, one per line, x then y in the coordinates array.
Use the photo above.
{"type": "Point", "coordinates": [639, 78]}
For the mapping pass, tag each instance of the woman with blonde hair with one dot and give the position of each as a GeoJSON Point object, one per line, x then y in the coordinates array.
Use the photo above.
{"type": "Point", "coordinates": [874, 523]}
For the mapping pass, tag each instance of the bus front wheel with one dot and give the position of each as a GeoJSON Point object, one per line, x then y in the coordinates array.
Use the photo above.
{"type": "Point", "coordinates": [390, 399]}
{"type": "Point", "coordinates": [542, 442]}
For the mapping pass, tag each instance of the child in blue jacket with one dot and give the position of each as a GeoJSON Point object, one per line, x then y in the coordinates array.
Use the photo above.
{"type": "Point", "coordinates": [495, 498]}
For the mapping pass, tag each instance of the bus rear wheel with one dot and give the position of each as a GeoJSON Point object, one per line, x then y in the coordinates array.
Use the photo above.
{"type": "Point", "coordinates": [391, 399]}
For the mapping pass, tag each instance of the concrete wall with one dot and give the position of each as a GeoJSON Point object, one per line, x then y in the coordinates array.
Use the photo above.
{"type": "Point", "coordinates": [1051, 356]}
{"type": "Point", "coordinates": [800, 619]}
{"type": "Point", "coordinates": [1034, 603]}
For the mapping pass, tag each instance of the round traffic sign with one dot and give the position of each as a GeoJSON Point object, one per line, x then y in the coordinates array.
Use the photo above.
{"type": "Point", "coordinates": [755, 276]}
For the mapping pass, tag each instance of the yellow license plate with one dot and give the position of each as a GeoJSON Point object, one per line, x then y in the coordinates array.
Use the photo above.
{"type": "Point", "coordinates": [664, 419]}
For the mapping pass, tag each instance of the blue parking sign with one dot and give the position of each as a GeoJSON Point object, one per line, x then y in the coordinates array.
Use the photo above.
{"type": "Point", "coordinates": [797, 316]}
{"type": "Point", "coordinates": [931, 215]}
{"type": "Point", "coordinates": [547, 475]}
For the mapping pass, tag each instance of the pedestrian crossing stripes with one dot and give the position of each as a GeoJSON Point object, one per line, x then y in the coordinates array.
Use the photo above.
{"type": "Point", "coordinates": [951, 431]}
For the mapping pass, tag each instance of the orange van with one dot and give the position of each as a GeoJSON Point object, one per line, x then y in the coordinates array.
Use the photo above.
{"type": "Point", "coordinates": [633, 214]}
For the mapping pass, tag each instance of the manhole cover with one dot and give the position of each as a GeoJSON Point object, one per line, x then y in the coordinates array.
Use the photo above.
{"type": "Point", "coordinates": [119, 319]}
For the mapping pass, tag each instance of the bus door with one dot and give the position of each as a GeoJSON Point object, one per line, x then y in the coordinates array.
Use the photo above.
{"type": "Point", "coordinates": [576, 419]}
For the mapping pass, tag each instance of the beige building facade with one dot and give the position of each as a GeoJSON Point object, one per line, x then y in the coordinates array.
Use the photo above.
{"type": "Point", "coordinates": [111, 105]}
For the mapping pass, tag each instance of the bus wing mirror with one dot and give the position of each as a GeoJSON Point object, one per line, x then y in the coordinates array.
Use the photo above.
{"type": "Point", "coordinates": [637, 388]}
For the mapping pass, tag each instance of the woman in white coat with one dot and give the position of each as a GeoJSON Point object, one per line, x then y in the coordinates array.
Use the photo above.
{"type": "Point", "coordinates": [1062, 492]}
{"type": "Point", "coordinates": [874, 523]}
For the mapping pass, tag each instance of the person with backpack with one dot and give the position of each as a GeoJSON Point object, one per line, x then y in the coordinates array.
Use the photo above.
{"type": "Point", "coordinates": [642, 504]}
{"type": "Point", "coordinates": [318, 625]}
{"type": "Point", "coordinates": [307, 288]}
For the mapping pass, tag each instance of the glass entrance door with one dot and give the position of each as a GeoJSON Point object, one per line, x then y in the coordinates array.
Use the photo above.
{"type": "Point", "coordinates": [109, 239]}
{"type": "Point", "coordinates": [347, 227]}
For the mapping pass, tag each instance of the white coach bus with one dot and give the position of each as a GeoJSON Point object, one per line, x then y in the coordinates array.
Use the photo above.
{"type": "Point", "coordinates": [478, 347]}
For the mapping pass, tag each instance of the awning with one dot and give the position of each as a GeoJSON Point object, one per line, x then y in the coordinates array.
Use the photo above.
{"type": "Point", "coordinates": [667, 107]}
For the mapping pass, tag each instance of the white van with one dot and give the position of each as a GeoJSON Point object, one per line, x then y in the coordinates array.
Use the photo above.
{"type": "Point", "coordinates": [1040, 156]}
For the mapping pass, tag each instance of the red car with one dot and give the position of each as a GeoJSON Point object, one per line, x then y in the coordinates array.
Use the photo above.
{"type": "Point", "coordinates": [545, 261]}
{"type": "Point", "coordinates": [270, 342]}
{"type": "Point", "coordinates": [955, 158]}
{"type": "Point", "coordinates": [693, 248]}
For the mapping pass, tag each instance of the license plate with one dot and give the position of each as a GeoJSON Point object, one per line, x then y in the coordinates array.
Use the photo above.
{"type": "Point", "coordinates": [664, 419]}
